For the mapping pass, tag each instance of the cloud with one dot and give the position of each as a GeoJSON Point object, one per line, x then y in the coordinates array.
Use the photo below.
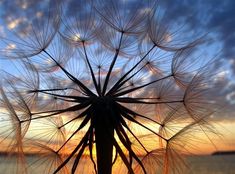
{"type": "Point", "coordinates": [217, 18]}
{"type": "Point", "coordinates": [213, 16]}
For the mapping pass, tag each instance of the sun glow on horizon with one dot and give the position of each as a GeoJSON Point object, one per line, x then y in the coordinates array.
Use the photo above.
{"type": "Point", "coordinates": [208, 141]}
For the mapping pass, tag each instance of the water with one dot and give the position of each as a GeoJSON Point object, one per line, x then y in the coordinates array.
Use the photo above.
{"type": "Point", "coordinates": [218, 164]}
{"type": "Point", "coordinates": [221, 164]}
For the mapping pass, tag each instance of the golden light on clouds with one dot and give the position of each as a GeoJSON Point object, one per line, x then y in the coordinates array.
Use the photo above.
{"type": "Point", "coordinates": [168, 38]}
{"type": "Point", "coordinates": [39, 14]}
{"type": "Point", "coordinates": [24, 5]}
{"type": "Point", "coordinates": [14, 23]}
{"type": "Point", "coordinates": [10, 46]}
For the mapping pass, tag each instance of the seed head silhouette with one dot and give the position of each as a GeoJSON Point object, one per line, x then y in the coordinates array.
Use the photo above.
{"type": "Point", "coordinates": [100, 87]}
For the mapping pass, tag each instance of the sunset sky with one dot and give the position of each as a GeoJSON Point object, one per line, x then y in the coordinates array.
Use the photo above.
{"type": "Point", "coordinates": [216, 19]}
{"type": "Point", "coordinates": [213, 18]}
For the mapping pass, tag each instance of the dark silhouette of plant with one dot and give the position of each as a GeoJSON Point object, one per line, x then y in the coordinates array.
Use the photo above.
{"type": "Point", "coordinates": [101, 86]}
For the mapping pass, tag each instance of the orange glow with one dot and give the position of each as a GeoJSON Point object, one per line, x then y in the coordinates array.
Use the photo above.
{"type": "Point", "coordinates": [201, 144]}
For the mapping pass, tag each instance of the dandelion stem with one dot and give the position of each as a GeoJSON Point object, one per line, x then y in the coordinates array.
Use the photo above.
{"type": "Point", "coordinates": [57, 112]}
{"type": "Point", "coordinates": [91, 70]}
{"type": "Point", "coordinates": [135, 100]}
{"type": "Point", "coordinates": [142, 86]}
{"type": "Point", "coordinates": [73, 152]}
{"type": "Point", "coordinates": [117, 84]}
{"type": "Point", "coordinates": [112, 65]}
{"type": "Point", "coordinates": [71, 77]}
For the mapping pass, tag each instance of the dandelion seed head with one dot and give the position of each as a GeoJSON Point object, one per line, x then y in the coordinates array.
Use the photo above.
{"type": "Point", "coordinates": [106, 83]}
{"type": "Point", "coordinates": [76, 37]}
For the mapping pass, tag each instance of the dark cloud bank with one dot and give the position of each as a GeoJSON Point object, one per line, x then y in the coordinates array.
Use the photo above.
{"type": "Point", "coordinates": [214, 17]}
{"type": "Point", "coordinates": [217, 18]}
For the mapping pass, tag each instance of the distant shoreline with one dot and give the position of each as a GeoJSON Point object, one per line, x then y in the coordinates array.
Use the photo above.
{"type": "Point", "coordinates": [38, 154]}
{"type": "Point", "coordinates": [223, 153]}
{"type": "Point", "coordinates": [15, 154]}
